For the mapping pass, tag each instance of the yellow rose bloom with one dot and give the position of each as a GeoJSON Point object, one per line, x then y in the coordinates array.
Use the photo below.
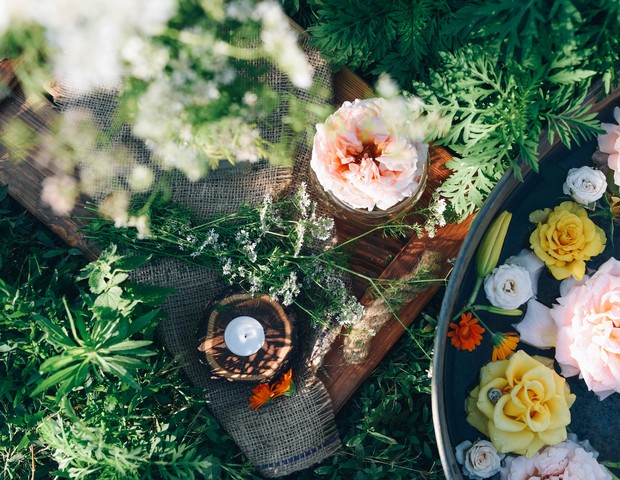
{"type": "Point", "coordinates": [521, 404]}
{"type": "Point", "coordinates": [565, 238]}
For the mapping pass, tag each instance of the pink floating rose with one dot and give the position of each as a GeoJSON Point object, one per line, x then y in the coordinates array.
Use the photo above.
{"type": "Point", "coordinates": [369, 155]}
{"type": "Point", "coordinates": [609, 143]}
{"type": "Point", "coordinates": [567, 460]}
{"type": "Point", "coordinates": [588, 337]}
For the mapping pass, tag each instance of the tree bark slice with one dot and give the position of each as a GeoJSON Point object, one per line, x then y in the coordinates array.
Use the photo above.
{"type": "Point", "coordinates": [268, 361]}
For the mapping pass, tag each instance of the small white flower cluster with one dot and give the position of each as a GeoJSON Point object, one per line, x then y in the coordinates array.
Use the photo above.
{"type": "Point", "coordinates": [278, 248]}
{"type": "Point", "coordinates": [169, 78]}
{"type": "Point", "coordinates": [303, 202]}
{"type": "Point", "coordinates": [322, 228]}
{"type": "Point", "coordinates": [288, 291]}
{"type": "Point", "coordinates": [351, 312]}
{"type": "Point", "coordinates": [210, 241]}
{"type": "Point", "coordinates": [347, 310]}
{"type": "Point", "coordinates": [88, 40]}
{"type": "Point", "coordinates": [435, 218]}
{"type": "Point", "coordinates": [266, 214]}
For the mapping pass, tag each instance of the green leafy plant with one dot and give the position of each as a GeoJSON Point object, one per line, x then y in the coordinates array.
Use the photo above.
{"type": "Point", "coordinates": [100, 339]}
{"type": "Point", "coordinates": [542, 28]}
{"type": "Point", "coordinates": [498, 113]}
{"type": "Point", "coordinates": [503, 72]}
{"type": "Point", "coordinates": [396, 36]}
{"type": "Point", "coordinates": [141, 423]}
{"type": "Point", "coordinates": [163, 431]}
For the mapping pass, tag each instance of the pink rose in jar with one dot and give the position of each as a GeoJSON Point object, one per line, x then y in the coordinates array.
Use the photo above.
{"type": "Point", "coordinates": [370, 153]}
{"type": "Point", "coordinates": [588, 339]}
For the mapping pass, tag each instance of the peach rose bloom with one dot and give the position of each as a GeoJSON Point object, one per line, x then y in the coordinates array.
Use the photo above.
{"type": "Point", "coordinates": [609, 143]}
{"type": "Point", "coordinates": [569, 460]}
{"type": "Point", "coordinates": [588, 338]}
{"type": "Point", "coordinates": [368, 155]}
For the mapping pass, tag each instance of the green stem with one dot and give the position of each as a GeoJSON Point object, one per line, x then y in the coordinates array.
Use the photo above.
{"type": "Point", "coordinates": [474, 293]}
{"type": "Point", "coordinates": [154, 194]}
{"type": "Point", "coordinates": [515, 312]}
{"type": "Point", "coordinates": [484, 324]}
{"type": "Point", "coordinates": [354, 239]}
{"type": "Point", "coordinates": [612, 465]}
{"type": "Point", "coordinates": [471, 300]}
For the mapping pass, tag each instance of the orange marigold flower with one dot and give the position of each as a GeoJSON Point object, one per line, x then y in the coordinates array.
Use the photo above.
{"type": "Point", "coordinates": [285, 385]}
{"type": "Point", "coordinates": [467, 334]}
{"type": "Point", "coordinates": [261, 394]}
{"type": "Point", "coordinates": [504, 344]}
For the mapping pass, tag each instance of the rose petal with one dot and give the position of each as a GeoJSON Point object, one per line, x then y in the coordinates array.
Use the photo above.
{"type": "Point", "coordinates": [528, 260]}
{"type": "Point", "coordinates": [507, 442]}
{"type": "Point", "coordinates": [569, 283]}
{"type": "Point", "coordinates": [537, 327]}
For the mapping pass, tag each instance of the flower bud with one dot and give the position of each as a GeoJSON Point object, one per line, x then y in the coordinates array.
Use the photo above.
{"type": "Point", "coordinates": [491, 245]}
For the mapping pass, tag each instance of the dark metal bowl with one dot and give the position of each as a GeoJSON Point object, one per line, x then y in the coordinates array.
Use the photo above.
{"type": "Point", "coordinates": [456, 372]}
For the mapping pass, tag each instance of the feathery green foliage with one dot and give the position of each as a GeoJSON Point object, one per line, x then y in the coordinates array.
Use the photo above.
{"type": "Point", "coordinates": [498, 112]}
{"type": "Point", "coordinates": [502, 71]}
{"type": "Point", "coordinates": [395, 36]}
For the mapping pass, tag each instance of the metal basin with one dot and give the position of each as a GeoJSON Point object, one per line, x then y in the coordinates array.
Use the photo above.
{"type": "Point", "coordinates": [456, 372]}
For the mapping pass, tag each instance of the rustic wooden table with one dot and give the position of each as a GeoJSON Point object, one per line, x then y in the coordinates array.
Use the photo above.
{"type": "Point", "coordinates": [373, 256]}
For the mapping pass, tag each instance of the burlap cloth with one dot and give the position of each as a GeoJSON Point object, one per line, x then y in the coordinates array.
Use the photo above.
{"type": "Point", "coordinates": [291, 433]}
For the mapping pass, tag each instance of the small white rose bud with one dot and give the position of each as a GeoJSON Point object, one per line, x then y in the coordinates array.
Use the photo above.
{"type": "Point", "coordinates": [508, 286]}
{"type": "Point", "coordinates": [585, 185]}
{"type": "Point", "coordinates": [480, 460]}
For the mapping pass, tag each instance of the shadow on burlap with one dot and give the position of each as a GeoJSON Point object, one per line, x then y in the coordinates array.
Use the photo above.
{"type": "Point", "coordinates": [292, 433]}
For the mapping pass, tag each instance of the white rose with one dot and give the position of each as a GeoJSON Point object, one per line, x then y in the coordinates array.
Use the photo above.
{"type": "Point", "coordinates": [585, 185]}
{"type": "Point", "coordinates": [508, 286]}
{"type": "Point", "coordinates": [480, 460]}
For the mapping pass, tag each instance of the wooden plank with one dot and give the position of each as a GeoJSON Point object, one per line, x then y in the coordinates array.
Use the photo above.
{"type": "Point", "coordinates": [25, 177]}
{"type": "Point", "coordinates": [342, 379]}
{"type": "Point", "coordinates": [348, 86]}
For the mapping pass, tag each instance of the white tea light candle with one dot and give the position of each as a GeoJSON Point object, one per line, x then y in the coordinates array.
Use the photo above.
{"type": "Point", "coordinates": [244, 336]}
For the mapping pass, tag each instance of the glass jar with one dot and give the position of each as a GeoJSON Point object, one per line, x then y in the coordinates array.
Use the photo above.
{"type": "Point", "coordinates": [376, 216]}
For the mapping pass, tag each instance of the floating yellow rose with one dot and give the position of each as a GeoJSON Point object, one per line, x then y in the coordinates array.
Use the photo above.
{"type": "Point", "coordinates": [565, 238]}
{"type": "Point", "coordinates": [521, 405]}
